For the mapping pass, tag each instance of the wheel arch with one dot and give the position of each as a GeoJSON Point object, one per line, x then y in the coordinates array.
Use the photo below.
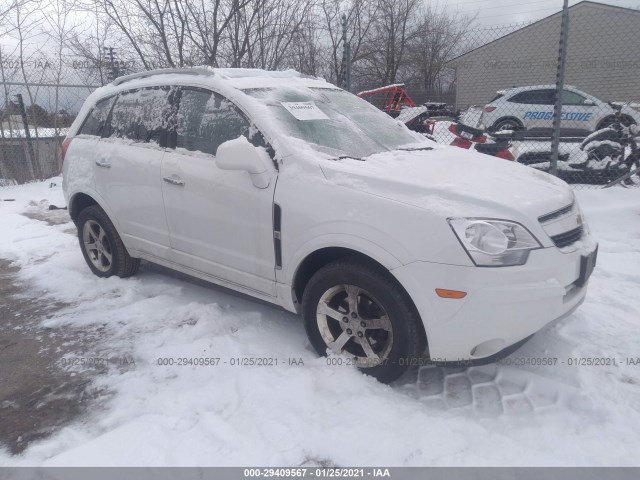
{"type": "Point", "coordinates": [78, 201]}
{"type": "Point", "coordinates": [507, 117]}
{"type": "Point", "coordinates": [321, 257]}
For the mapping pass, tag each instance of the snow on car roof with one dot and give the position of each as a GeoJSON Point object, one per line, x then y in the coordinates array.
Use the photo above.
{"type": "Point", "coordinates": [229, 82]}
{"type": "Point", "coordinates": [238, 78]}
{"type": "Point", "coordinates": [504, 91]}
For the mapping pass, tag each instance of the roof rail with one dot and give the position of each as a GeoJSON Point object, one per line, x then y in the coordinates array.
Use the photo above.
{"type": "Point", "coordinates": [164, 71]}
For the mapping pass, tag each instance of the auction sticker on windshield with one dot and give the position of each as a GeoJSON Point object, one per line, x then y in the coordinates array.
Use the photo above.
{"type": "Point", "coordinates": [305, 110]}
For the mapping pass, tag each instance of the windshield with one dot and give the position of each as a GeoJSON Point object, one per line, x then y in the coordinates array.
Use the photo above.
{"type": "Point", "coordinates": [333, 121]}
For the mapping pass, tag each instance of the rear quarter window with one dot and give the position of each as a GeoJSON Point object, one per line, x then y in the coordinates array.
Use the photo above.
{"type": "Point", "coordinates": [97, 118]}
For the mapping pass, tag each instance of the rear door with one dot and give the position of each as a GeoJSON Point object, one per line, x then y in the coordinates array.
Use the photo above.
{"type": "Point", "coordinates": [128, 164]}
{"type": "Point", "coordinates": [86, 142]}
{"type": "Point", "coordinates": [219, 222]}
{"type": "Point", "coordinates": [535, 107]}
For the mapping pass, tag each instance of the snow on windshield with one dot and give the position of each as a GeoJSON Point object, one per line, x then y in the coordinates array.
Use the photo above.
{"type": "Point", "coordinates": [335, 122]}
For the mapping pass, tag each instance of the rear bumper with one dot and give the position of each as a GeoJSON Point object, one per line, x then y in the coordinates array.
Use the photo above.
{"type": "Point", "coordinates": [503, 305]}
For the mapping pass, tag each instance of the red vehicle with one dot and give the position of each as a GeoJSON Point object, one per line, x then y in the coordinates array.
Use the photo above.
{"type": "Point", "coordinates": [390, 99]}
{"type": "Point", "coordinates": [394, 100]}
{"type": "Point", "coordinates": [468, 137]}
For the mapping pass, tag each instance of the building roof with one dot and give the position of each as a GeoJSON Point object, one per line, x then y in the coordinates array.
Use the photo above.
{"type": "Point", "coordinates": [573, 8]}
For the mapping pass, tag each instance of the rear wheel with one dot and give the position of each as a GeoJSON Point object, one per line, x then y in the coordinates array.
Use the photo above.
{"type": "Point", "coordinates": [355, 310]}
{"type": "Point", "coordinates": [504, 124]}
{"type": "Point", "coordinates": [101, 245]}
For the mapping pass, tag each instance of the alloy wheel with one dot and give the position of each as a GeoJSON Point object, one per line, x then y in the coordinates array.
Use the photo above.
{"type": "Point", "coordinates": [351, 321]}
{"type": "Point", "coordinates": [97, 246]}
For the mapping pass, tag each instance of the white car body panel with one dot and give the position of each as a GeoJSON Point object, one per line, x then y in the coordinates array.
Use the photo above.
{"type": "Point", "coordinates": [246, 257]}
{"type": "Point", "coordinates": [392, 207]}
{"type": "Point", "coordinates": [139, 209]}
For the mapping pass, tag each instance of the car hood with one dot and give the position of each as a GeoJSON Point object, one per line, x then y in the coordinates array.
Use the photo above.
{"type": "Point", "coordinates": [450, 181]}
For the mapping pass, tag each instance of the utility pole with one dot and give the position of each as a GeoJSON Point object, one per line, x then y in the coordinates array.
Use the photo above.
{"type": "Point", "coordinates": [33, 161]}
{"type": "Point", "coordinates": [346, 56]}
{"type": "Point", "coordinates": [114, 71]}
{"type": "Point", "coordinates": [557, 109]}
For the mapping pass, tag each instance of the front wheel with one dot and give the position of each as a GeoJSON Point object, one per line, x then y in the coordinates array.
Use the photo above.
{"type": "Point", "coordinates": [353, 309]}
{"type": "Point", "coordinates": [101, 245]}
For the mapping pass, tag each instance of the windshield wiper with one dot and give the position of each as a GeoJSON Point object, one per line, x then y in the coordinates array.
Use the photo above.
{"type": "Point", "coordinates": [415, 149]}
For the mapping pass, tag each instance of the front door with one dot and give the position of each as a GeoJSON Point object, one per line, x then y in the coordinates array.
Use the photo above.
{"type": "Point", "coordinates": [576, 115]}
{"type": "Point", "coordinates": [219, 222]}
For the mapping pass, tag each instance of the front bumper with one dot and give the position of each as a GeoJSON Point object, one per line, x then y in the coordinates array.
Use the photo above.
{"type": "Point", "coordinates": [503, 305]}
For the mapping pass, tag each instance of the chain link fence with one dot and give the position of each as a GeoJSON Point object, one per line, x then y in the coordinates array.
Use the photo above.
{"type": "Point", "coordinates": [507, 84]}
{"type": "Point", "coordinates": [40, 96]}
{"type": "Point", "coordinates": [39, 99]}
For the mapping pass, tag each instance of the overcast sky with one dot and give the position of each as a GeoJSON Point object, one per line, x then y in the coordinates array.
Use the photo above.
{"type": "Point", "coordinates": [499, 12]}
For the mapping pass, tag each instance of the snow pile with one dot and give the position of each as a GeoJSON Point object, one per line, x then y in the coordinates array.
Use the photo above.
{"type": "Point", "coordinates": [286, 414]}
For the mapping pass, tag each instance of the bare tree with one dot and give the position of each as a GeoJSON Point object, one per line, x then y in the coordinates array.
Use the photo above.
{"type": "Point", "coordinates": [307, 54]}
{"type": "Point", "coordinates": [439, 38]}
{"type": "Point", "coordinates": [385, 52]}
{"type": "Point", "coordinates": [361, 16]}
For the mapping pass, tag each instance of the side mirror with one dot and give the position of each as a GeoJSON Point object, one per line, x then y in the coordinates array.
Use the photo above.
{"type": "Point", "coordinates": [239, 154]}
{"type": "Point", "coordinates": [589, 103]}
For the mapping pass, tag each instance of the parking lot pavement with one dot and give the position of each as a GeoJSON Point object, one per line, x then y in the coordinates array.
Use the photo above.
{"type": "Point", "coordinates": [36, 396]}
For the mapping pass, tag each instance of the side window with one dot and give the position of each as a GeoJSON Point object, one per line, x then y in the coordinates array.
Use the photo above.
{"type": "Point", "coordinates": [572, 98]}
{"type": "Point", "coordinates": [534, 97]}
{"type": "Point", "coordinates": [519, 98]}
{"type": "Point", "coordinates": [141, 115]}
{"type": "Point", "coordinates": [95, 121]}
{"type": "Point", "coordinates": [205, 120]}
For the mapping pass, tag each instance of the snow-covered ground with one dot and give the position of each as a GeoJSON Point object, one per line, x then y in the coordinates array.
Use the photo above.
{"type": "Point", "coordinates": [515, 413]}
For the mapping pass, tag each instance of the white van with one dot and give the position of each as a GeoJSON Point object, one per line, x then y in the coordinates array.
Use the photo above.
{"type": "Point", "coordinates": [293, 191]}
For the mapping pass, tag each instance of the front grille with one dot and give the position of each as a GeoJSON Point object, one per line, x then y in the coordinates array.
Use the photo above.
{"type": "Point", "coordinates": [567, 238]}
{"type": "Point", "coordinates": [555, 214]}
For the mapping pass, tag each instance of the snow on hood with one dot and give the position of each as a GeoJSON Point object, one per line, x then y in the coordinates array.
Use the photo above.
{"type": "Point", "coordinates": [453, 182]}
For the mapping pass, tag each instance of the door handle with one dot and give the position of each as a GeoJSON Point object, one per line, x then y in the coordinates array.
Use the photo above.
{"type": "Point", "coordinates": [173, 181]}
{"type": "Point", "coordinates": [103, 164]}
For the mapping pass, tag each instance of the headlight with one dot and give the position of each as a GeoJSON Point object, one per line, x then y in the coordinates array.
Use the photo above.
{"type": "Point", "coordinates": [494, 243]}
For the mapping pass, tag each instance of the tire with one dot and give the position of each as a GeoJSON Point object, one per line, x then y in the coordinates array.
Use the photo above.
{"type": "Point", "coordinates": [506, 124]}
{"type": "Point", "coordinates": [385, 319]}
{"type": "Point", "coordinates": [109, 257]}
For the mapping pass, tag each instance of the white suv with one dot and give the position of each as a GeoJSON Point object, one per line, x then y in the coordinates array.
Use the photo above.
{"type": "Point", "coordinates": [531, 108]}
{"type": "Point", "coordinates": [293, 191]}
